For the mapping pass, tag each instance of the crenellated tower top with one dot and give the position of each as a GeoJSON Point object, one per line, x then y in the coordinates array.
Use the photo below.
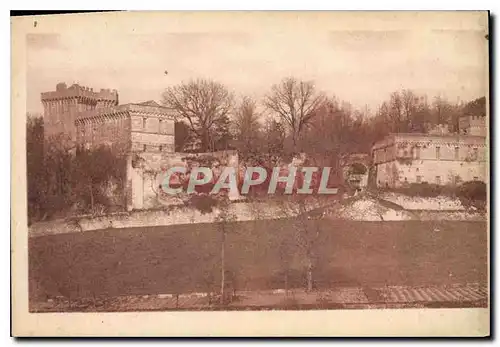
{"type": "Point", "coordinates": [85, 95]}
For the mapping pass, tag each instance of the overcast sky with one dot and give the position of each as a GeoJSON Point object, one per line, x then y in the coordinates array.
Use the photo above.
{"type": "Point", "coordinates": [359, 65]}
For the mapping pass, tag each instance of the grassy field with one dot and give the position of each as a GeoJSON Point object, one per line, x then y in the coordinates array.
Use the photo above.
{"type": "Point", "coordinates": [186, 258]}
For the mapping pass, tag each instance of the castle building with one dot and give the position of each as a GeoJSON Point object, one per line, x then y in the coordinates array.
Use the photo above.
{"type": "Point", "coordinates": [472, 125]}
{"type": "Point", "coordinates": [90, 119]}
{"type": "Point", "coordinates": [438, 158]}
{"type": "Point", "coordinates": [64, 105]}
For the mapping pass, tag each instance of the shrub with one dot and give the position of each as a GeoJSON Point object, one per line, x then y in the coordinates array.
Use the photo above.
{"type": "Point", "coordinates": [357, 169]}
{"type": "Point", "coordinates": [424, 190]}
{"type": "Point", "coordinates": [473, 194]}
{"type": "Point", "coordinates": [203, 203]}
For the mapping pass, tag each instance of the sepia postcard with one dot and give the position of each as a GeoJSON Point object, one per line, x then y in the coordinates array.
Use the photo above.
{"type": "Point", "coordinates": [251, 174]}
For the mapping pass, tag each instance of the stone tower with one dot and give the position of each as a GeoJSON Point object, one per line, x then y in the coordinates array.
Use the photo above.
{"type": "Point", "coordinates": [64, 105]}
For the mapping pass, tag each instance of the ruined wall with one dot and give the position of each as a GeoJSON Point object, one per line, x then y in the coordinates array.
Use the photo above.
{"type": "Point", "coordinates": [145, 174]}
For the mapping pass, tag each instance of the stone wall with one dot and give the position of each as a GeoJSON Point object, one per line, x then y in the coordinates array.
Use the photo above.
{"type": "Point", "coordinates": [64, 105]}
{"type": "Point", "coordinates": [152, 129]}
{"type": "Point", "coordinates": [145, 176]}
{"type": "Point", "coordinates": [473, 125]}
{"type": "Point", "coordinates": [396, 173]}
{"type": "Point", "coordinates": [174, 215]}
{"type": "Point", "coordinates": [430, 147]}
{"type": "Point", "coordinates": [111, 129]}
{"type": "Point", "coordinates": [439, 203]}
{"type": "Point", "coordinates": [59, 226]}
{"type": "Point", "coordinates": [361, 209]}
{"type": "Point", "coordinates": [417, 158]}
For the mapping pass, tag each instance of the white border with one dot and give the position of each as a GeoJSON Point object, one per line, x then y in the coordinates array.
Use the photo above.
{"type": "Point", "coordinates": [185, 5]}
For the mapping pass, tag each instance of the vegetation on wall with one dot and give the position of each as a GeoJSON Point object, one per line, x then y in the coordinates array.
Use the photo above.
{"type": "Point", "coordinates": [473, 194]}
{"type": "Point", "coordinates": [64, 180]}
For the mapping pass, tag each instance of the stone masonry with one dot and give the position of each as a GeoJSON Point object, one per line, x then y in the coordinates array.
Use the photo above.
{"type": "Point", "coordinates": [64, 105]}
{"type": "Point", "coordinates": [78, 116]}
{"type": "Point", "coordinates": [90, 119]}
{"type": "Point", "coordinates": [402, 159]}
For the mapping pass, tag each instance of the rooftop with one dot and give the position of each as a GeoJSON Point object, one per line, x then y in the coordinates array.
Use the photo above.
{"type": "Point", "coordinates": [76, 90]}
{"type": "Point", "coordinates": [421, 136]}
{"type": "Point", "coordinates": [148, 103]}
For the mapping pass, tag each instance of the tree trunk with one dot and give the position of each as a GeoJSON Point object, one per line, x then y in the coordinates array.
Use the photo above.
{"type": "Point", "coordinates": [286, 283]}
{"type": "Point", "coordinates": [223, 266]}
{"type": "Point", "coordinates": [309, 276]}
{"type": "Point", "coordinates": [205, 140]}
{"type": "Point", "coordinates": [294, 141]}
{"type": "Point", "coordinates": [91, 196]}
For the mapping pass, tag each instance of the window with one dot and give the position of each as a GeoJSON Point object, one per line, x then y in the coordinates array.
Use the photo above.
{"type": "Point", "coordinates": [458, 179]}
{"type": "Point", "coordinates": [457, 153]}
{"type": "Point", "coordinates": [144, 123]}
{"type": "Point", "coordinates": [419, 179]}
{"type": "Point", "coordinates": [475, 154]}
{"type": "Point", "coordinates": [417, 152]}
{"type": "Point", "coordinates": [438, 153]}
{"type": "Point", "coordinates": [161, 148]}
{"type": "Point", "coordinates": [438, 179]}
{"type": "Point", "coordinates": [160, 127]}
{"type": "Point", "coordinates": [144, 148]}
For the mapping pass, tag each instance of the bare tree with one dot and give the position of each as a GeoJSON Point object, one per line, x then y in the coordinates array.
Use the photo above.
{"type": "Point", "coordinates": [203, 103]}
{"type": "Point", "coordinates": [296, 103]}
{"type": "Point", "coordinates": [224, 222]}
{"type": "Point", "coordinates": [273, 140]}
{"type": "Point", "coordinates": [405, 111]}
{"type": "Point", "coordinates": [396, 112]}
{"type": "Point", "coordinates": [303, 235]}
{"type": "Point", "coordinates": [182, 136]}
{"type": "Point", "coordinates": [336, 130]}
{"type": "Point", "coordinates": [247, 127]}
{"type": "Point", "coordinates": [446, 113]}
